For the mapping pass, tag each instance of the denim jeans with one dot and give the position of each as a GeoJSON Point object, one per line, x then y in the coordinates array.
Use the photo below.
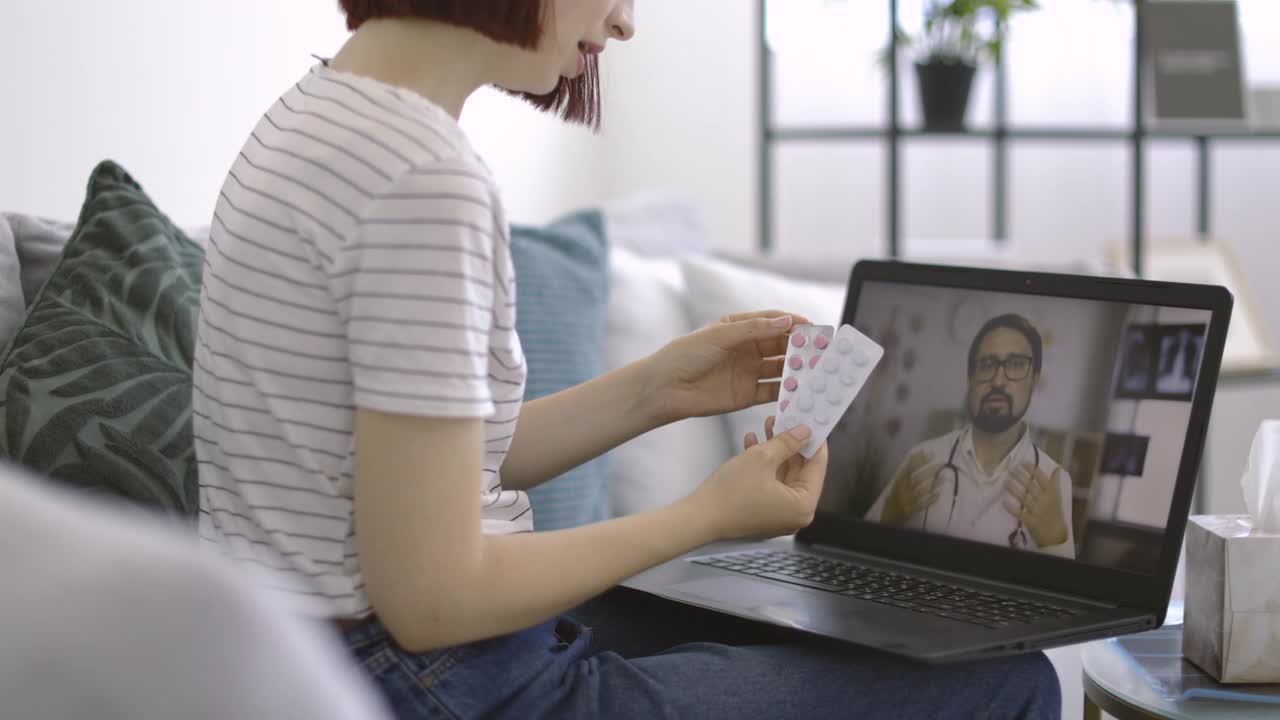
{"type": "Point", "coordinates": [645, 657]}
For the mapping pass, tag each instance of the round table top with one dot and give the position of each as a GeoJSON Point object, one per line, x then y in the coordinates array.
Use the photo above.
{"type": "Point", "coordinates": [1111, 670]}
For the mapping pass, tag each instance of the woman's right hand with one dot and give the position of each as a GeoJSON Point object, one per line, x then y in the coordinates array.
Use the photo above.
{"type": "Point", "coordinates": [768, 490]}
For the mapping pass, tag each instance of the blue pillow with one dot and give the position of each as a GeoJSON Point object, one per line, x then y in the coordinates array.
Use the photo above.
{"type": "Point", "coordinates": [562, 294]}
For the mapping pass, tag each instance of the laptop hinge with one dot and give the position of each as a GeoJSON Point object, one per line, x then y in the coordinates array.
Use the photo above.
{"type": "Point", "coordinates": [1026, 589]}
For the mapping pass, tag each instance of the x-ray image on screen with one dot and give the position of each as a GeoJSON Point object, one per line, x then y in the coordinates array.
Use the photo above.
{"type": "Point", "coordinates": [1179, 359]}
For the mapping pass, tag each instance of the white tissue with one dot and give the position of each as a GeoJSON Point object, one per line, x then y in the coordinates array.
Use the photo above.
{"type": "Point", "coordinates": [1261, 481]}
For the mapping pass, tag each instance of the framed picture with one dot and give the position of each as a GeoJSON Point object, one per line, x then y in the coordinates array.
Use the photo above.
{"type": "Point", "coordinates": [1249, 347]}
{"type": "Point", "coordinates": [1192, 70]}
{"type": "Point", "coordinates": [1160, 362]}
{"type": "Point", "coordinates": [1177, 361]}
{"type": "Point", "coordinates": [1124, 454]}
{"type": "Point", "coordinates": [1138, 358]}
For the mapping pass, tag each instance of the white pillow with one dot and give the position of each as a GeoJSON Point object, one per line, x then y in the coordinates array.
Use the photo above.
{"type": "Point", "coordinates": [646, 311]}
{"type": "Point", "coordinates": [716, 288]}
{"type": "Point", "coordinates": [656, 225]}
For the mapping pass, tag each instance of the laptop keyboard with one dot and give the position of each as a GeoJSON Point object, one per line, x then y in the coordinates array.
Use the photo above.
{"type": "Point", "coordinates": [886, 587]}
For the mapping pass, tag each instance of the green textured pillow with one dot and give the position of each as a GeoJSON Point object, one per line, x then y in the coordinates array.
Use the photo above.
{"type": "Point", "coordinates": [95, 387]}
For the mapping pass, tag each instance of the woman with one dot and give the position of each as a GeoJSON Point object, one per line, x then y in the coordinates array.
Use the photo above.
{"type": "Point", "coordinates": [358, 375]}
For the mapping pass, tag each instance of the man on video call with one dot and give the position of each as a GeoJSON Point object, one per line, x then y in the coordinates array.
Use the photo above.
{"type": "Point", "coordinates": [988, 481]}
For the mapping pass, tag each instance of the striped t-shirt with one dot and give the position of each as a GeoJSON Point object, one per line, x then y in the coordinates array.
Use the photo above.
{"type": "Point", "coordinates": [358, 257]}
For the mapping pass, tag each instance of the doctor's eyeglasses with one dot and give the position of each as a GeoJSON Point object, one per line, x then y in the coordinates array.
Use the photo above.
{"type": "Point", "coordinates": [1016, 367]}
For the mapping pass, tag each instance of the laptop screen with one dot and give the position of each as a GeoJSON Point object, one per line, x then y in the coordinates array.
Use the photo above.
{"type": "Point", "coordinates": [1044, 424]}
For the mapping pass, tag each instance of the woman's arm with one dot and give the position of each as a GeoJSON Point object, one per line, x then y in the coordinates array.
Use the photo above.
{"type": "Point", "coordinates": [436, 580]}
{"type": "Point", "coordinates": [713, 370]}
{"type": "Point", "coordinates": [559, 432]}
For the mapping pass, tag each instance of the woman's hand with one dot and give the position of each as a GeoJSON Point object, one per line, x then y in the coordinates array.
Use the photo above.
{"type": "Point", "coordinates": [766, 491]}
{"type": "Point", "coordinates": [718, 368]}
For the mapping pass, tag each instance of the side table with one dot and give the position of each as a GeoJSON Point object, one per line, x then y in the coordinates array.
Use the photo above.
{"type": "Point", "coordinates": [1114, 682]}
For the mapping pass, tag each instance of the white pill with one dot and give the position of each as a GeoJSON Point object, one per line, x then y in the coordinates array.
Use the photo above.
{"type": "Point", "coordinates": [849, 378]}
{"type": "Point", "coordinates": [861, 358]}
{"type": "Point", "coordinates": [818, 384]}
{"type": "Point", "coordinates": [831, 364]}
{"type": "Point", "coordinates": [844, 345]}
{"type": "Point", "coordinates": [835, 396]}
{"type": "Point", "coordinates": [805, 402]}
{"type": "Point", "coordinates": [821, 417]}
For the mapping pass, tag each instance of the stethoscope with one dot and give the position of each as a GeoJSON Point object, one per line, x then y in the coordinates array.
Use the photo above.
{"type": "Point", "coordinates": [1018, 538]}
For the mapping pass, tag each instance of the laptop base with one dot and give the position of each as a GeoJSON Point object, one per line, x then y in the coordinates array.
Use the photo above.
{"type": "Point", "coordinates": [866, 623]}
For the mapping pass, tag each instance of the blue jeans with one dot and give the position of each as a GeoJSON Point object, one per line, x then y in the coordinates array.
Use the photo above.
{"type": "Point", "coordinates": [645, 657]}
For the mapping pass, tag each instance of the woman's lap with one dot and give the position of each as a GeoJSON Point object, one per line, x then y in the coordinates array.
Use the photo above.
{"type": "Point", "coordinates": [647, 658]}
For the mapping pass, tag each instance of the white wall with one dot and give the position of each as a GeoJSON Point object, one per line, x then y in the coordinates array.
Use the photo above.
{"type": "Point", "coordinates": [171, 89]}
{"type": "Point", "coordinates": [168, 89]}
{"type": "Point", "coordinates": [680, 111]}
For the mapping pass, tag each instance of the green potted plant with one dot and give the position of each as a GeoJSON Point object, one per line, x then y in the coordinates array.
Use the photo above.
{"type": "Point", "coordinates": [957, 36]}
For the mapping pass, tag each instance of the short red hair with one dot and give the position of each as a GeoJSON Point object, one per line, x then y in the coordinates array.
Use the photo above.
{"type": "Point", "coordinates": [514, 22]}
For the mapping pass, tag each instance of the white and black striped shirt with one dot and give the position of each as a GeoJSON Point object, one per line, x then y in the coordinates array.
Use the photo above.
{"type": "Point", "coordinates": [358, 258]}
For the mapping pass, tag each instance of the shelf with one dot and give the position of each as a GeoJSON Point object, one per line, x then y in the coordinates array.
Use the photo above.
{"type": "Point", "coordinates": [1205, 137]}
{"type": "Point", "coordinates": [864, 132]}
{"type": "Point", "coordinates": [1231, 376]}
{"type": "Point", "coordinates": [1269, 134]}
{"type": "Point", "coordinates": [826, 133]}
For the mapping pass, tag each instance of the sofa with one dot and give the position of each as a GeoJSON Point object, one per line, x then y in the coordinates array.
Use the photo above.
{"type": "Point", "coordinates": [598, 289]}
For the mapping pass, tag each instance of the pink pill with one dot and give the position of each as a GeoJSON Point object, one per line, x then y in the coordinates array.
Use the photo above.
{"type": "Point", "coordinates": [813, 361]}
{"type": "Point", "coordinates": [790, 384]}
{"type": "Point", "coordinates": [796, 362]}
{"type": "Point", "coordinates": [797, 339]}
{"type": "Point", "coordinates": [820, 342]}
{"type": "Point", "coordinates": [782, 406]}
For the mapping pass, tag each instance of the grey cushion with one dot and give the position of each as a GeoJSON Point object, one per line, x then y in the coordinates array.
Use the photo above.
{"type": "Point", "coordinates": [12, 304]}
{"type": "Point", "coordinates": [39, 242]}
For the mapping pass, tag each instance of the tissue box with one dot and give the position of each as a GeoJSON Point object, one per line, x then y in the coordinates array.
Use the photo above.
{"type": "Point", "coordinates": [1231, 621]}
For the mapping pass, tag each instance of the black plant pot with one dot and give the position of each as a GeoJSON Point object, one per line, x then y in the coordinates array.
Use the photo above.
{"type": "Point", "coordinates": [944, 93]}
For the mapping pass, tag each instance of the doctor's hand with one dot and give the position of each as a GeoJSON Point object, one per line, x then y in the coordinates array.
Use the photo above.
{"type": "Point", "coordinates": [1039, 504]}
{"type": "Point", "coordinates": [914, 489]}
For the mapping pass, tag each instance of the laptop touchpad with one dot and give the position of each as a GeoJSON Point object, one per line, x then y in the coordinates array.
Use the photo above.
{"type": "Point", "coordinates": [739, 591]}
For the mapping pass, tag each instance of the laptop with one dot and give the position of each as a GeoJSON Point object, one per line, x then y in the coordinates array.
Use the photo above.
{"type": "Point", "coordinates": [1049, 428]}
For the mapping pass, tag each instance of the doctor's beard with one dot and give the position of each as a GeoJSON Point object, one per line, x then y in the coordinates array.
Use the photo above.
{"type": "Point", "coordinates": [996, 422]}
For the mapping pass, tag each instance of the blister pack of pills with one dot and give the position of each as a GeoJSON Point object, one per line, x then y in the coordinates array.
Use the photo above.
{"type": "Point", "coordinates": [821, 376]}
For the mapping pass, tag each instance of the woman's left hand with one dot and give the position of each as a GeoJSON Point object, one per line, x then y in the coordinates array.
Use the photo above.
{"type": "Point", "coordinates": [718, 368]}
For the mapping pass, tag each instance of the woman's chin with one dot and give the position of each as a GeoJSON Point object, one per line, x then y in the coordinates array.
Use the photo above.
{"type": "Point", "coordinates": [536, 89]}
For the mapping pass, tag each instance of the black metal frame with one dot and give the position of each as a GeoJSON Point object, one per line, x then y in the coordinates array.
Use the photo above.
{"type": "Point", "coordinates": [1137, 135]}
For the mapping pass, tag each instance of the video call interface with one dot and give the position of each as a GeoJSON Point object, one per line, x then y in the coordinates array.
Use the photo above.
{"type": "Point", "coordinates": [1043, 424]}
